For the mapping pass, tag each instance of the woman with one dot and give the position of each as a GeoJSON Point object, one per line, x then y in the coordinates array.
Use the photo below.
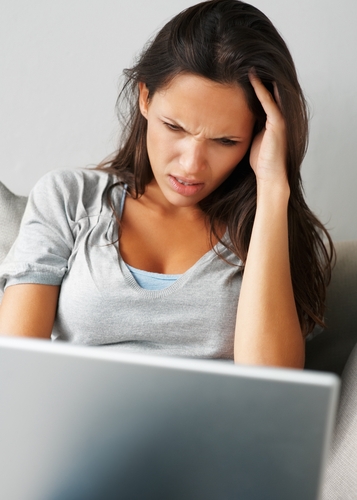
{"type": "Point", "coordinates": [203, 198]}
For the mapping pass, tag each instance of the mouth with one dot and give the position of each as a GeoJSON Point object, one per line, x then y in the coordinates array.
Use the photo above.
{"type": "Point", "coordinates": [184, 186]}
{"type": "Point", "coordinates": [186, 183]}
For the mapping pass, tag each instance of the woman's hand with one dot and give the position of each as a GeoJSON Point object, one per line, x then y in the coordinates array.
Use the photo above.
{"type": "Point", "coordinates": [269, 147]}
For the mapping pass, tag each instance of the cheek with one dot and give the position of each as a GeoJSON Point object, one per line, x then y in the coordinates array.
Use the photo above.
{"type": "Point", "coordinates": [153, 148]}
{"type": "Point", "coordinates": [162, 147]}
{"type": "Point", "coordinates": [225, 162]}
{"type": "Point", "coordinates": [151, 136]}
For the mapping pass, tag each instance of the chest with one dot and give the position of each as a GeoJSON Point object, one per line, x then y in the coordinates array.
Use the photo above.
{"type": "Point", "coordinates": [162, 244]}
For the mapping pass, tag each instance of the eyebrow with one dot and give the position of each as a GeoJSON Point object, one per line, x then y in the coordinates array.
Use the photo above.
{"type": "Point", "coordinates": [230, 137]}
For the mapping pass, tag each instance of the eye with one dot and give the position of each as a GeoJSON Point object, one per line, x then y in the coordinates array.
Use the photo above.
{"type": "Point", "coordinates": [227, 142]}
{"type": "Point", "coordinates": [170, 126]}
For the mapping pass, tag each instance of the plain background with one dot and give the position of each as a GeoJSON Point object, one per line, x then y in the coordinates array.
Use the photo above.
{"type": "Point", "coordinates": [60, 67]}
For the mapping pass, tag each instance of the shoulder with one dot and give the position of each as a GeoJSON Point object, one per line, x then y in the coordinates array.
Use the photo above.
{"type": "Point", "coordinates": [72, 181]}
{"type": "Point", "coordinates": [78, 192]}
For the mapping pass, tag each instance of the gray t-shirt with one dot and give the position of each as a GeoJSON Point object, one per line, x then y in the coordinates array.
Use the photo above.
{"type": "Point", "coordinates": [66, 238]}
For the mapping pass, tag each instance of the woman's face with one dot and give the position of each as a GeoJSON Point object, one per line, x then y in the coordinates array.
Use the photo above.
{"type": "Point", "coordinates": [198, 131]}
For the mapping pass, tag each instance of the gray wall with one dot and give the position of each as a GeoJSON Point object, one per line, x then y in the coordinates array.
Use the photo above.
{"type": "Point", "coordinates": [60, 65]}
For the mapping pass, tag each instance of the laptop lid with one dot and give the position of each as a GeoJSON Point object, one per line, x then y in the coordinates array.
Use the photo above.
{"type": "Point", "coordinates": [82, 423]}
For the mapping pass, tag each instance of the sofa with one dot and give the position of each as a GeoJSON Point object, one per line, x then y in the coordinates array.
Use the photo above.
{"type": "Point", "coordinates": [332, 350]}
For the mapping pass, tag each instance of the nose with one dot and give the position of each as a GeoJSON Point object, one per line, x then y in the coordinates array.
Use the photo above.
{"type": "Point", "coordinates": [193, 158]}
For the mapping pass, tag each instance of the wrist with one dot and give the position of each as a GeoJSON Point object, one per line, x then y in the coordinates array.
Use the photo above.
{"type": "Point", "coordinates": [273, 192]}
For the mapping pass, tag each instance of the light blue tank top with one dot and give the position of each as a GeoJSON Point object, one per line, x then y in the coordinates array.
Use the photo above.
{"type": "Point", "coordinates": [152, 281]}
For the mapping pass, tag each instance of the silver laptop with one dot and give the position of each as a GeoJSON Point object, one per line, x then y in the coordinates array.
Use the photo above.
{"type": "Point", "coordinates": [82, 423]}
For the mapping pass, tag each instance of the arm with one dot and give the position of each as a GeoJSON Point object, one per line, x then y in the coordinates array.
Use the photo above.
{"type": "Point", "coordinates": [40, 254]}
{"type": "Point", "coordinates": [28, 310]}
{"type": "Point", "coordinates": [267, 329]}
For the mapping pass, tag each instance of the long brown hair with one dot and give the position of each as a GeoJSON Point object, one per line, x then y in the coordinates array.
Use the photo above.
{"type": "Point", "coordinates": [222, 40]}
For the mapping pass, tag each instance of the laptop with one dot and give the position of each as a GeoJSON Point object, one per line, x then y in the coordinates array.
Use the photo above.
{"type": "Point", "coordinates": [85, 423]}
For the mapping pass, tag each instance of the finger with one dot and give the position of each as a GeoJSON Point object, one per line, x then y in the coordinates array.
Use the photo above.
{"type": "Point", "coordinates": [277, 95]}
{"type": "Point", "coordinates": [266, 99]}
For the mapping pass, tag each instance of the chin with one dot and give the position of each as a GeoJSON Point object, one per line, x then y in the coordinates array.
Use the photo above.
{"type": "Point", "coordinates": [182, 201]}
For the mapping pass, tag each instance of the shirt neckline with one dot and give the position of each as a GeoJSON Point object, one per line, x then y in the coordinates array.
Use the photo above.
{"type": "Point", "coordinates": [219, 248]}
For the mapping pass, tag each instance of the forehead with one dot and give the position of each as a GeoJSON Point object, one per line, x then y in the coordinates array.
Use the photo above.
{"type": "Point", "coordinates": [203, 102]}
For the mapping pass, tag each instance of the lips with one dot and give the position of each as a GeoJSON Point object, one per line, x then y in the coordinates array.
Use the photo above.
{"type": "Point", "coordinates": [184, 186]}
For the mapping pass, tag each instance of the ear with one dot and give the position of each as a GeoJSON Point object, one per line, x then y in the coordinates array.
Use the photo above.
{"type": "Point", "coordinates": [143, 99]}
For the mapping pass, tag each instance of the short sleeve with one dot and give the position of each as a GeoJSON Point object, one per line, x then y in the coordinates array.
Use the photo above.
{"type": "Point", "coordinates": [41, 251]}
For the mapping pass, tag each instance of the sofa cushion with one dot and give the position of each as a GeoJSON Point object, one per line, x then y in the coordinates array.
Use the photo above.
{"type": "Point", "coordinates": [11, 211]}
{"type": "Point", "coordinates": [341, 472]}
{"type": "Point", "coordinates": [330, 350]}
{"type": "Point", "coordinates": [12, 208]}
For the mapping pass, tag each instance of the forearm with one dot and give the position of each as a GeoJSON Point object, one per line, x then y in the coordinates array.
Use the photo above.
{"type": "Point", "coordinates": [268, 330]}
{"type": "Point", "coordinates": [28, 310]}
